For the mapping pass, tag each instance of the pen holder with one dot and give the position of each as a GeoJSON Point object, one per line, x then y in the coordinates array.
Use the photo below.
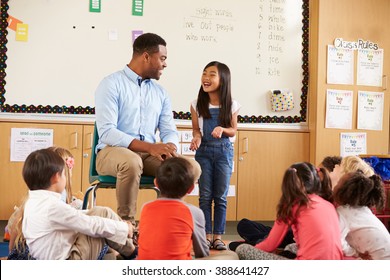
{"type": "Point", "coordinates": [281, 100]}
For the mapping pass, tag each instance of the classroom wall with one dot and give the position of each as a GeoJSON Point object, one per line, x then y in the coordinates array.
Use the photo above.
{"type": "Point", "coordinates": [350, 20]}
{"type": "Point", "coordinates": [69, 50]}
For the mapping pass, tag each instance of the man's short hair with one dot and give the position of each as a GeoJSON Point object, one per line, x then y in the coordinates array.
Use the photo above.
{"type": "Point", "coordinates": [147, 42]}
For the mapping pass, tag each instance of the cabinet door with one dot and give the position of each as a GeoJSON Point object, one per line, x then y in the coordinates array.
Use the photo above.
{"type": "Point", "coordinates": [262, 160]}
{"type": "Point", "coordinates": [12, 187]}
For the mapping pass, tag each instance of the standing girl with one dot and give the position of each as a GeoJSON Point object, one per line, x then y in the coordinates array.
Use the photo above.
{"type": "Point", "coordinates": [214, 123]}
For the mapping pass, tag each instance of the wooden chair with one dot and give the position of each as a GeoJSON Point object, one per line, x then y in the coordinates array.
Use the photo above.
{"type": "Point", "coordinates": [108, 182]}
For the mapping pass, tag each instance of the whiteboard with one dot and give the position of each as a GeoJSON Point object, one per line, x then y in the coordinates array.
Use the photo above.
{"type": "Point", "coordinates": [69, 50]}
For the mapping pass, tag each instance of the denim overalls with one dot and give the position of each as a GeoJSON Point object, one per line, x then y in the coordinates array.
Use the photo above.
{"type": "Point", "coordinates": [215, 156]}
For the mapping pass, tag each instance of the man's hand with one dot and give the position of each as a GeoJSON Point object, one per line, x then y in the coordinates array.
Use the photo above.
{"type": "Point", "coordinates": [163, 151]}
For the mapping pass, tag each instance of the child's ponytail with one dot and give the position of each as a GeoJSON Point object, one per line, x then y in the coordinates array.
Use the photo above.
{"type": "Point", "coordinates": [293, 192]}
{"type": "Point", "coordinates": [376, 197]}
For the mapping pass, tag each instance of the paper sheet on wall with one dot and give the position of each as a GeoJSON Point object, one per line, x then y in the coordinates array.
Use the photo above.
{"type": "Point", "coordinates": [26, 140]}
{"type": "Point", "coordinates": [370, 110]}
{"type": "Point", "coordinates": [370, 67]}
{"type": "Point", "coordinates": [340, 66]}
{"type": "Point", "coordinates": [339, 109]}
{"type": "Point", "coordinates": [352, 144]}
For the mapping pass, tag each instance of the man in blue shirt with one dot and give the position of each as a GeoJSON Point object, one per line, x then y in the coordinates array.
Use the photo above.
{"type": "Point", "coordinates": [130, 107]}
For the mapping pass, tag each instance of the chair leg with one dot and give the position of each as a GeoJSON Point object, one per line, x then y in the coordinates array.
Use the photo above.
{"type": "Point", "coordinates": [150, 187]}
{"type": "Point", "coordinates": [86, 197]}
{"type": "Point", "coordinates": [157, 190]}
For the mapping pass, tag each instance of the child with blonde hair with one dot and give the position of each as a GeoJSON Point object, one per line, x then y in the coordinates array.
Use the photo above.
{"type": "Point", "coordinates": [355, 163]}
{"type": "Point", "coordinates": [68, 196]}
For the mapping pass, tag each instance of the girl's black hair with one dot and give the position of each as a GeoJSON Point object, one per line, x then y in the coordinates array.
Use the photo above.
{"type": "Point", "coordinates": [299, 180]}
{"type": "Point", "coordinates": [225, 97]}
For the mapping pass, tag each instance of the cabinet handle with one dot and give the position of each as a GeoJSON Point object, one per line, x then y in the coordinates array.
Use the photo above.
{"type": "Point", "coordinates": [88, 142]}
{"type": "Point", "coordinates": [246, 145]}
{"type": "Point", "coordinates": [74, 144]}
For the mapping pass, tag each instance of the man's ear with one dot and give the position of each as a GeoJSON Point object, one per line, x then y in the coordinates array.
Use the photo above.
{"type": "Point", "coordinates": [191, 189]}
{"type": "Point", "coordinates": [146, 56]}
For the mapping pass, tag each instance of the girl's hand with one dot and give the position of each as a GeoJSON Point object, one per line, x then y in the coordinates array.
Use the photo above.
{"type": "Point", "coordinates": [217, 132]}
{"type": "Point", "coordinates": [195, 143]}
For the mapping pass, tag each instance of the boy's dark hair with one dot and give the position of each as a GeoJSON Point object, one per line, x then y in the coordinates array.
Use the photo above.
{"type": "Point", "coordinates": [330, 162]}
{"type": "Point", "coordinates": [147, 42]}
{"type": "Point", "coordinates": [225, 113]}
{"type": "Point", "coordinates": [360, 190]}
{"type": "Point", "coordinates": [175, 177]}
{"type": "Point", "coordinates": [39, 168]}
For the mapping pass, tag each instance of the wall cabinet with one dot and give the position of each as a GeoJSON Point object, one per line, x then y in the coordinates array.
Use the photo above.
{"type": "Point", "coordinates": [12, 187]}
{"type": "Point", "coordinates": [263, 156]}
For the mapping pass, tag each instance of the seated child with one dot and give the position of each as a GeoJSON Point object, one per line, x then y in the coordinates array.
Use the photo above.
{"type": "Point", "coordinates": [254, 232]}
{"type": "Point", "coordinates": [169, 228]}
{"type": "Point", "coordinates": [333, 165]}
{"type": "Point", "coordinates": [355, 163]}
{"type": "Point", "coordinates": [313, 220]}
{"type": "Point", "coordinates": [54, 230]}
{"type": "Point", "coordinates": [68, 196]}
{"type": "Point", "coordinates": [15, 221]}
{"type": "Point", "coordinates": [362, 233]}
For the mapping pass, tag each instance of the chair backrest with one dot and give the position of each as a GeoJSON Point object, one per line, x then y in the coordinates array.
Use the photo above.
{"type": "Point", "coordinates": [93, 175]}
{"type": "Point", "coordinates": [146, 181]}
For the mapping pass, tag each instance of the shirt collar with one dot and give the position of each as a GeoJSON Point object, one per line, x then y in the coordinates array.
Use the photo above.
{"type": "Point", "coordinates": [44, 192]}
{"type": "Point", "coordinates": [133, 76]}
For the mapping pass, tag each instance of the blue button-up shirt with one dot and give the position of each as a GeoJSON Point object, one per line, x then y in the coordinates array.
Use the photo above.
{"type": "Point", "coordinates": [128, 109]}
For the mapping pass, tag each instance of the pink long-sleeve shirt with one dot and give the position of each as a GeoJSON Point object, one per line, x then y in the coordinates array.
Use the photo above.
{"type": "Point", "coordinates": [316, 232]}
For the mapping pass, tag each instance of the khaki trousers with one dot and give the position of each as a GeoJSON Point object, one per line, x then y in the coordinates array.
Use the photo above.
{"type": "Point", "coordinates": [127, 166]}
{"type": "Point", "coordinates": [88, 248]}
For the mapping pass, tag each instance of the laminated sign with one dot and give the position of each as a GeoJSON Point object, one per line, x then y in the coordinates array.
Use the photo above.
{"type": "Point", "coordinates": [281, 100]}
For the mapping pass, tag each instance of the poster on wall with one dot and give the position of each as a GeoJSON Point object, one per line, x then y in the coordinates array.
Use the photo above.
{"type": "Point", "coordinates": [339, 109]}
{"type": "Point", "coordinates": [340, 66]}
{"type": "Point", "coordinates": [370, 67]}
{"type": "Point", "coordinates": [27, 140]}
{"type": "Point", "coordinates": [370, 110]}
{"type": "Point", "coordinates": [353, 144]}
